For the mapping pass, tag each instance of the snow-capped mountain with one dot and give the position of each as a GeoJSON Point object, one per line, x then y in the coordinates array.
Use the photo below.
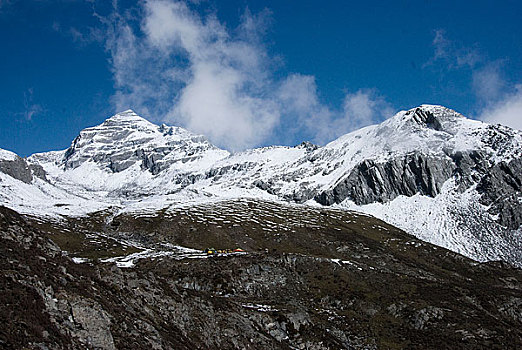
{"type": "Point", "coordinates": [124, 156]}
{"type": "Point", "coordinates": [446, 179]}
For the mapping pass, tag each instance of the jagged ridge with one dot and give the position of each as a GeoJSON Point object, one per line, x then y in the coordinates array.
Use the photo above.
{"type": "Point", "coordinates": [429, 160]}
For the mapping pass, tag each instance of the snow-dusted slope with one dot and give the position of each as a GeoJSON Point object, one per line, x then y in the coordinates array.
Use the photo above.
{"type": "Point", "coordinates": [25, 188]}
{"type": "Point", "coordinates": [301, 173]}
{"type": "Point", "coordinates": [445, 178]}
{"type": "Point", "coordinates": [7, 155]}
{"type": "Point", "coordinates": [128, 157]}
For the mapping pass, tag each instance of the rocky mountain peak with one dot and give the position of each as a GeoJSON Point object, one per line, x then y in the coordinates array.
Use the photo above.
{"type": "Point", "coordinates": [129, 115]}
{"type": "Point", "coordinates": [429, 155]}
{"type": "Point", "coordinates": [131, 126]}
{"type": "Point", "coordinates": [437, 118]}
{"type": "Point", "coordinates": [122, 155]}
{"type": "Point", "coordinates": [127, 140]}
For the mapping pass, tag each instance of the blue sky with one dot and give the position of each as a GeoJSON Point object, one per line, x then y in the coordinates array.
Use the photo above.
{"type": "Point", "coordinates": [251, 73]}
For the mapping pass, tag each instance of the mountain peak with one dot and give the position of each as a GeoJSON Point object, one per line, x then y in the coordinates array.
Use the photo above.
{"type": "Point", "coordinates": [433, 117]}
{"type": "Point", "coordinates": [127, 140]}
{"type": "Point", "coordinates": [436, 111]}
{"type": "Point", "coordinates": [128, 116]}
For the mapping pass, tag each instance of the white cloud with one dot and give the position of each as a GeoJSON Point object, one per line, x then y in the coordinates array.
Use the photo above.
{"type": "Point", "coordinates": [214, 104]}
{"type": "Point", "coordinates": [365, 107]}
{"type": "Point", "coordinates": [299, 100]}
{"type": "Point", "coordinates": [223, 98]}
{"type": "Point", "coordinates": [451, 54]}
{"type": "Point", "coordinates": [189, 70]}
{"type": "Point", "coordinates": [362, 108]}
{"type": "Point", "coordinates": [172, 64]}
{"type": "Point", "coordinates": [488, 82]}
{"type": "Point", "coordinates": [299, 93]}
{"type": "Point", "coordinates": [507, 111]}
{"type": "Point", "coordinates": [500, 101]}
{"type": "Point", "coordinates": [30, 108]}
{"type": "Point", "coordinates": [169, 24]}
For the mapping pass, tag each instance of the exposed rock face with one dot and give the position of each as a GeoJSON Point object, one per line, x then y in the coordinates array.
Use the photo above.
{"type": "Point", "coordinates": [94, 323]}
{"type": "Point", "coordinates": [470, 167]}
{"type": "Point", "coordinates": [127, 139]}
{"type": "Point", "coordinates": [38, 171]}
{"type": "Point", "coordinates": [501, 189]}
{"type": "Point", "coordinates": [500, 185]}
{"type": "Point", "coordinates": [427, 118]}
{"type": "Point", "coordinates": [17, 169]}
{"type": "Point", "coordinates": [371, 181]}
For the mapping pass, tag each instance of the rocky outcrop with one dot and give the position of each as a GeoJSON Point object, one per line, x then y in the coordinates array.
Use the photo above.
{"type": "Point", "coordinates": [470, 167]}
{"type": "Point", "coordinates": [127, 139]}
{"type": "Point", "coordinates": [18, 169]}
{"type": "Point", "coordinates": [38, 171]}
{"type": "Point", "coordinates": [501, 189]}
{"type": "Point", "coordinates": [500, 185]}
{"type": "Point", "coordinates": [373, 181]}
{"type": "Point", "coordinates": [94, 324]}
{"type": "Point", "coordinates": [426, 118]}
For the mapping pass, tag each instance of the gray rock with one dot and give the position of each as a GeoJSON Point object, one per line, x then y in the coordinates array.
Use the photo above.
{"type": "Point", "coordinates": [94, 324]}
{"type": "Point", "coordinates": [371, 181]}
{"type": "Point", "coordinates": [18, 169]}
{"type": "Point", "coordinates": [469, 167]}
{"type": "Point", "coordinates": [38, 171]}
{"type": "Point", "coordinates": [308, 146]}
{"type": "Point", "coordinates": [423, 317]}
{"type": "Point", "coordinates": [501, 189]}
{"type": "Point", "coordinates": [426, 118]}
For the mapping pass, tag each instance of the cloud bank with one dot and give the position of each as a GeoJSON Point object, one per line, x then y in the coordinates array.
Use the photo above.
{"type": "Point", "coordinates": [299, 97]}
{"type": "Point", "coordinates": [497, 99]}
{"type": "Point", "coordinates": [500, 100]}
{"type": "Point", "coordinates": [31, 108]}
{"type": "Point", "coordinates": [173, 64]}
{"type": "Point", "coordinates": [507, 111]}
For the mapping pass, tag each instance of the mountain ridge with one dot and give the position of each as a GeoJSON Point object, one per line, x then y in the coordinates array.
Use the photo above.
{"type": "Point", "coordinates": [428, 157]}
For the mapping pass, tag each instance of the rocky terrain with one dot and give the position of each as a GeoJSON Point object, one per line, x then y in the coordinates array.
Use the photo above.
{"type": "Point", "coordinates": [309, 279]}
{"type": "Point", "coordinates": [430, 171]}
{"type": "Point", "coordinates": [402, 235]}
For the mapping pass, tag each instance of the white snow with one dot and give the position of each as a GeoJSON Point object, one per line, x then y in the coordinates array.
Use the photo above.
{"type": "Point", "coordinates": [193, 171]}
{"type": "Point", "coordinates": [77, 260]}
{"type": "Point", "coordinates": [7, 155]}
{"type": "Point", "coordinates": [175, 252]}
{"type": "Point", "coordinates": [259, 307]}
{"type": "Point", "coordinates": [446, 220]}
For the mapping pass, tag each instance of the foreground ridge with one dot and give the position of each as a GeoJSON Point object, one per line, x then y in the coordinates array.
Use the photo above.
{"type": "Point", "coordinates": [331, 280]}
